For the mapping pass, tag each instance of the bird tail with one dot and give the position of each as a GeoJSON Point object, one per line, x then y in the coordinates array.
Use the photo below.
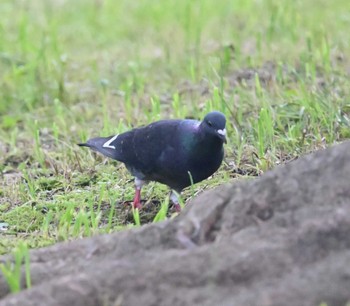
{"type": "Point", "coordinates": [83, 144]}
{"type": "Point", "coordinates": [105, 145]}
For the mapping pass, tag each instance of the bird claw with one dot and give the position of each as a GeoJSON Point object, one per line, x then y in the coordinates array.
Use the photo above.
{"type": "Point", "coordinates": [177, 207]}
{"type": "Point", "coordinates": [137, 199]}
{"type": "Point", "coordinates": [137, 205]}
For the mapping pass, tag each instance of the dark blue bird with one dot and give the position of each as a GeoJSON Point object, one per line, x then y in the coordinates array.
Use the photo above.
{"type": "Point", "coordinates": [171, 152]}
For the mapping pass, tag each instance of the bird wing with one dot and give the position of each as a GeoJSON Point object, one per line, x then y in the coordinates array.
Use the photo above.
{"type": "Point", "coordinates": [141, 148]}
{"type": "Point", "coordinates": [153, 152]}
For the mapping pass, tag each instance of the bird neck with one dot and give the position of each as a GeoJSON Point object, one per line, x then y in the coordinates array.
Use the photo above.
{"type": "Point", "coordinates": [208, 142]}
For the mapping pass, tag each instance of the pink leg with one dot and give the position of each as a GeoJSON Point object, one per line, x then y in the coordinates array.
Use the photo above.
{"type": "Point", "coordinates": [137, 198]}
{"type": "Point", "coordinates": [175, 200]}
{"type": "Point", "coordinates": [177, 207]}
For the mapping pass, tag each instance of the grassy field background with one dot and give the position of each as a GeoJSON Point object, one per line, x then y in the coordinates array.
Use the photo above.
{"type": "Point", "coordinates": [70, 70]}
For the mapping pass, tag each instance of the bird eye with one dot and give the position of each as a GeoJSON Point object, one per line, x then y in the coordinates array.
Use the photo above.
{"type": "Point", "coordinates": [209, 123]}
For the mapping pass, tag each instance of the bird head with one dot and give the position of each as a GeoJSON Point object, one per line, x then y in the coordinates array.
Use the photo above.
{"type": "Point", "coordinates": [214, 123]}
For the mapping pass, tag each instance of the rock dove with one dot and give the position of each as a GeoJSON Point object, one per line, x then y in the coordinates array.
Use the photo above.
{"type": "Point", "coordinates": [176, 153]}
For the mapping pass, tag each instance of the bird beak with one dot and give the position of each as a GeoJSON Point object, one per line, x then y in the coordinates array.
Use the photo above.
{"type": "Point", "coordinates": [222, 135]}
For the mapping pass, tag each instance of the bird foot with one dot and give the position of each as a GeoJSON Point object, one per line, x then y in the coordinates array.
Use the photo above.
{"type": "Point", "coordinates": [137, 205]}
{"type": "Point", "coordinates": [137, 199]}
{"type": "Point", "coordinates": [177, 207]}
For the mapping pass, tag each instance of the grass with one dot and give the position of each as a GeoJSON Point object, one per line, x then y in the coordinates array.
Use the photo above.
{"type": "Point", "coordinates": [71, 70]}
{"type": "Point", "coordinates": [12, 271]}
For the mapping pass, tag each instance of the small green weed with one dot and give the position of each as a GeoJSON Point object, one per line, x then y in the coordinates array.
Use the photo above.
{"type": "Point", "coordinates": [12, 270]}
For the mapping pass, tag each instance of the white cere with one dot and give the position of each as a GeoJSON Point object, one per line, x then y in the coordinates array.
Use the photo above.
{"type": "Point", "coordinates": [222, 132]}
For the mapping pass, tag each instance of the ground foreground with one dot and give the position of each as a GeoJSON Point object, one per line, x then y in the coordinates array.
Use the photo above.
{"type": "Point", "coordinates": [281, 239]}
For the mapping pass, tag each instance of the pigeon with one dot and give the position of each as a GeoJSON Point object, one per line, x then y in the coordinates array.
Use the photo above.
{"type": "Point", "coordinates": [174, 152]}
